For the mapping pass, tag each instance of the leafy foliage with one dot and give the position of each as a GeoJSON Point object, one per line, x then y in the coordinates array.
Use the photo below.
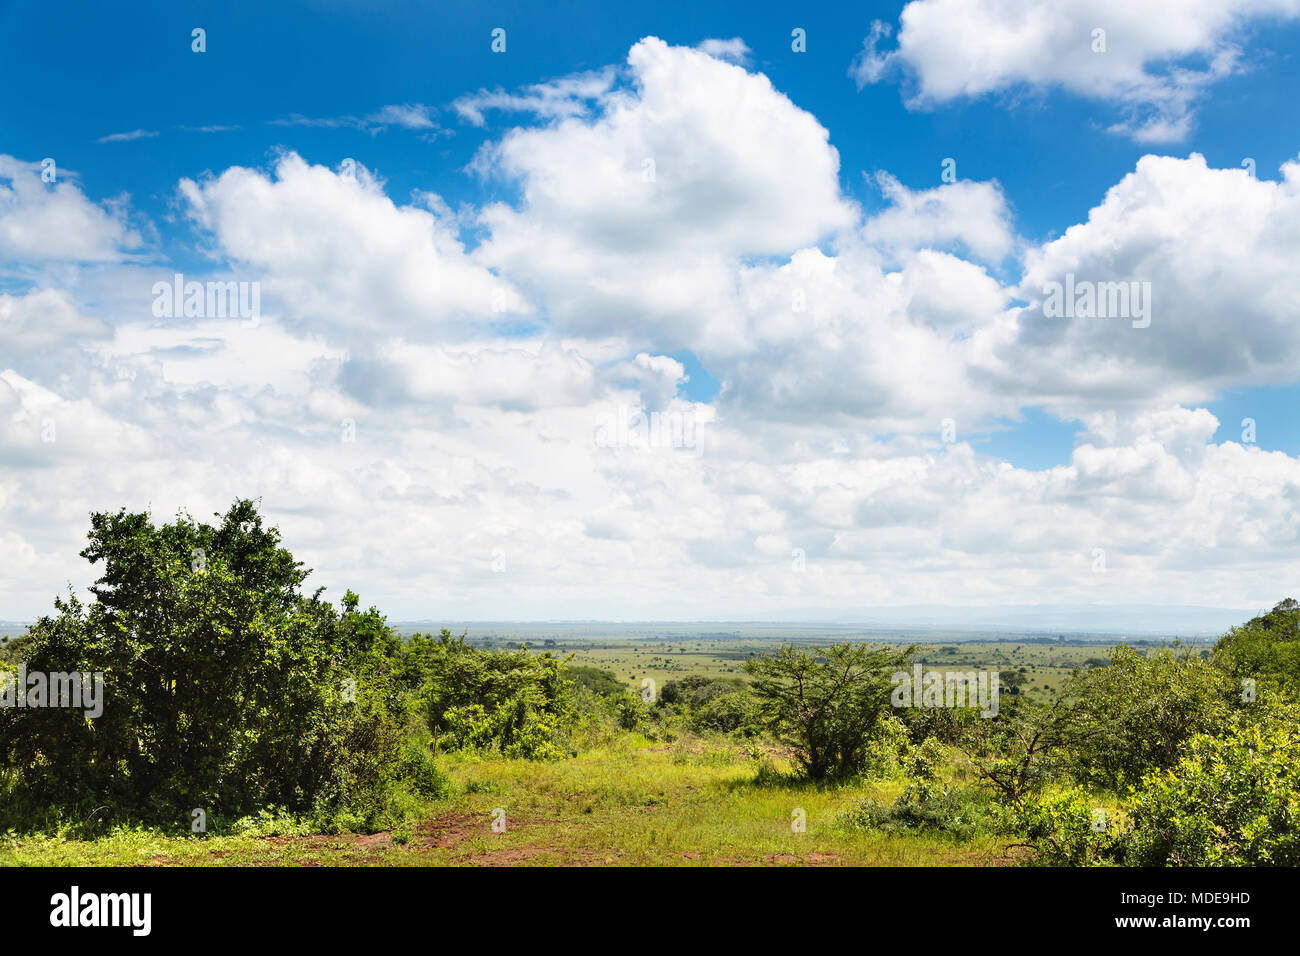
{"type": "Point", "coordinates": [1066, 829]}
{"type": "Point", "coordinates": [1232, 800]}
{"type": "Point", "coordinates": [1265, 649]}
{"type": "Point", "coordinates": [825, 703]}
{"type": "Point", "coordinates": [736, 713]}
{"type": "Point", "coordinates": [225, 688]}
{"type": "Point", "coordinates": [512, 701]}
{"type": "Point", "coordinates": [1108, 727]}
{"type": "Point", "coordinates": [1140, 710]}
{"type": "Point", "coordinates": [696, 690]}
{"type": "Point", "coordinates": [599, 681]}
{"type": "Point", "coordinates": [925, 806]}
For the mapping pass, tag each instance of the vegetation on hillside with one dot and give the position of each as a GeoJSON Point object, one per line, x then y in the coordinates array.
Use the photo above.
{"type": "Point", "coordinates": [234, 697]}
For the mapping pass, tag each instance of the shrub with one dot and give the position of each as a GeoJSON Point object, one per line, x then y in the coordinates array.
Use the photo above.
{"type": "Point", "coordinates": [1021, 750]}
{"type": "Point", "coordinates": [696, 690]}
{"type": "Point", "coordinates": [1133, 716]}
{"type": "Point", "coordinates": [960, 813]}
{"type": "Point", "coordinates": [1108, 727]}
{"type": "Point", "coordinates": [600, 682]}
{"type": "Point", "coordinates": [1230, 801]}
{"type": "Point", "coordinates": [1066, 829]}
{"type": "Point", "coordinates": [826, 703]}
{"type": "Point", "coordinates": [888, 747]}
{"type": "Point", "coordinates": [890, 752]}
{"type": "Point", "coordinates": [947, 724]}
{"type": "Point", "coordinates": [419, 768]}
{"type": "Point", "coordinates": [1265, 649]}
{"type": "Point", "coordinates": [515, 702]}
{"type": "Point", "coordinates": [631, 712]}
{"type": "Point", "coordinates": [734, 713]}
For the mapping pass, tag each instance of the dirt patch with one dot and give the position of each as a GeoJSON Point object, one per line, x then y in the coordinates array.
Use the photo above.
{"type": "Point", "coordinates": [448, 829]}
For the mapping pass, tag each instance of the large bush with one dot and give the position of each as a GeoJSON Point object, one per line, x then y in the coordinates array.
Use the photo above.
{"type": "Point", "coordinates": [1065, 828]}
{"type": "Point", "coordinates": [516, 702]}
{"type": "Point", "coordinates": [696, 690]}
{"type": "Point", "coordinates": [1231, 800]}
{"type": "Point", "coordinates": [1134, 715]}
{"type": "Point", "coordinates": [1108, 727]}
{"type": "Point", "coordinates": [826, 703]}
{"type": "Point", "coordinates": [733, 713]}
{"type": "Point", "coordinates": [224, 687]}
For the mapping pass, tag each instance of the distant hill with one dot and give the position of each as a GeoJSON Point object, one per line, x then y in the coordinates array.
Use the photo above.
{"type": "Point", "coordinates": [914, 621]}
{"type": "Point", "coordinates": [1170, 619]}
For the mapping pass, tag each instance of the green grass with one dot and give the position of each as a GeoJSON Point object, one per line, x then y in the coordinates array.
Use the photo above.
{"type": "Point", "coordinates": [624, 800]}
{"type": "Point", "coordinates": [631, 802]}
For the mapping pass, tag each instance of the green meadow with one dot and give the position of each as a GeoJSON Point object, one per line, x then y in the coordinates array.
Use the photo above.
{"type": "Point", "coordinates": [624, 799]}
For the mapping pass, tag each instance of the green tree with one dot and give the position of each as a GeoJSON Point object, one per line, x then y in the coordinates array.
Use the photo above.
{"type": "Point", "coordinates": [600, 682]}
{"type": "Point", "coordinates": [696, 690]}
{"type": "Point", "coordinates": [1265, 649]}
{"type": "Point", "coordinates": [732, 713]}
{"type": "Point", "coordinates": [224, 687]}
{"type": "Point", "coordinates": [1109, 725]}
{"type": "Point", "coordinates": [826, 703]}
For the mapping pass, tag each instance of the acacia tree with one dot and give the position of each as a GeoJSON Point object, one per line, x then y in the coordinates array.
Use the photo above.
{"type": "Point", "coordinates": [224, 686]}
{"type": "Point", "coordinates": [826, 702]}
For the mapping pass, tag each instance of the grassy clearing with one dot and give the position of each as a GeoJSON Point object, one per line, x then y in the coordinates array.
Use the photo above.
{"type": "Point", "coordinates": [627, 802]}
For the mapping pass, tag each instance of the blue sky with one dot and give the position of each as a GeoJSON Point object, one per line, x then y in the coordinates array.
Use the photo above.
{"type": "Point", "coordinates": [269, 62]}
{"type": "Point", "coordinates": [94, 73]}
{"type": "Point", "coordinates": [130, 113]}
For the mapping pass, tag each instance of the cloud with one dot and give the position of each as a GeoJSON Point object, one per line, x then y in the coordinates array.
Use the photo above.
{"type": "Point", "coordinates": [128, 137]}
{"type": "Point", "coordinates": [339, 255]}
{"type": "Point", "coordinates": [42, 319]}
{"type": "Point", "coordinates": [839, 341]}
{"type": "Point", "coordinates": [409, 116]}
{"type": "Point", "coordinates": [640, 214]}
{"type": "Point", "coordinates": [971, 216]}
{"type": "Point", "coordinates": [564, 97]}
{"type": "Point", "coordinates": [734, 50]}
{"type": "Point", "coordinates": [526, 377]}
{"type": "Point", "coordinates": [1149, 63]}
{"type": "Point", "coordinates": [406, 116]}
{"type": "Point", "coordinates": [416, 412]}
{"type": "Point", "coordinates": [54, 221]}
{"type": "Point", "coordinates": [1211, 250]}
